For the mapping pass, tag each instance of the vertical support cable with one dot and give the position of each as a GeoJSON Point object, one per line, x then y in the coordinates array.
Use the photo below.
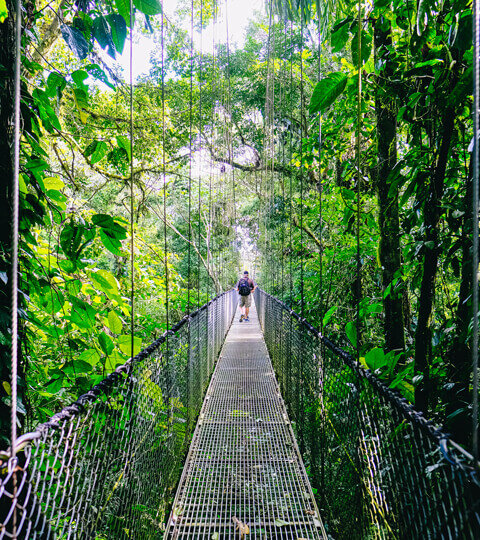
{"type": "Point", "coordinates": [302, 302]}
{"type": "Point", "coordinates": [476, 112]}
{"type": "Point", "coordinates": [201, 158]}
{"type": "Point", "coordinates": [190, 360]}
{"type": "Point", "coordinates": [229, 131]}
{"type": "Point", "coordinates": [132, 260]}
{"type": "Point", "coordinates": [212, 214]}
{"type": "Point", "coordinates": [165, 241]}
{"type": "Point", "coordinates": [267, 157]}
{"type": "Point", "coordinates": [320, 186]}
{"type": "Point", "coordinates": [321, 345]}
{"type": "Point", "coordinates": [358, 148]}
{"type": "Point", "coordinates": [189, 278]}
{"type": "Point", "coordinates": [14, 260]}
{"type": "Point", "coordinates": [269, 146]}
{"type": "Point", "coordinates": [15, 226]}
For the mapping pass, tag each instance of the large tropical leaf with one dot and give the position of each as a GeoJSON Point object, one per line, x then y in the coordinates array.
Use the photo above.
{"type": "Point", "coordinates": [75, 40]}
{"type": "Point", "coordinates": [326, 91]}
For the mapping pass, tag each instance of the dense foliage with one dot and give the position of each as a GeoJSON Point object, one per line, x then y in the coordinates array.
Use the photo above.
{"type": "Point", "coordinates": [411, 170]}
{"type": "Point", "coordinates": [229, 164]}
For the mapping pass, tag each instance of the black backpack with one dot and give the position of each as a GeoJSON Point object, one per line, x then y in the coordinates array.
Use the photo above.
{"type": "Point", "coordinates": [244, 287]}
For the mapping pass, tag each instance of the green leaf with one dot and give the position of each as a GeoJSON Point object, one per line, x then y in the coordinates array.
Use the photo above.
{"type": "Point", "coordinates": [91, 356]}
{"type": "Point", "coordinates": [408, 192]}
{"type": "Point", "coordinates": [422, 16]}
{"type": "Point", "coordinates": [124, 142]}
{"type": "Point", "coordinates": [76, 367]}
{"type": "Point", "coordinates": [124, 343]}
{"type": "Point", "coordinates": [82, 314]}
{"type": "Point", "coordinates": [102, 32]}
{"type": "Point", "coordinates": [79, 76]}
{"type": "Point", "coordinates": [81, 101]}
{"type": "Point", "coordinates": [149, 7]}
{"type": "Point", "coordinates": [106, 343]}
{"type": "Point", "coordinates": [114, 323]}
{"type": "Point", "coordinates": [53, 182]}
{"type": "Point", "coordinates": [327, 91]}
{"type": "Point", "coordinates": [123, 7]}
{"type": "Point", "coordinates": [55, 385]}
{"type": "Point", "coordinates": [67, 266]}
{"type": "Point", "coordinates": [340, 35]}
{"type": "Point", "coordinates": [3, 10]}
{"type": "Point", "coordinates": [71, 239]}
{"type": "Point", "coordinates": [107, 222]}
{"type": "Point", "coordinates": [112, 244]}
{"type": "Point", "coordinates": [351, 331]}
{"type": "Point", "coordinates": [96, 71]}
{"type": "Point", "coordinates": [328, 315]}
{"type": "Point", "coordinates": [366, 47]}
{"type": "Point", "coordinates": [375, 359]}
{"type": "Point", "coordinates": [280, 522]}
{"type": "Point", "coordinates": [36, 165]}
{"type": "Point", "coordinates": [75, 40]}
{"type": "Point", "coordinates": [110, 233]}
{"type": "Point", "coordinates": [101, 149]}
{"type": "Point", "coordinates": [55, 81]}
{"type": "Point", "coordinates": [102, 220]}
{"type": "Point", "coordinates": [7, 387]}
{"type": "Point", "coordinates": [105, 281]}
{"type": "Point", "coordinates": [113, 360]}
{"type": "Point", "coordinates": [119, 31]}
{"type": "Point", "coordinates": [462, 89]}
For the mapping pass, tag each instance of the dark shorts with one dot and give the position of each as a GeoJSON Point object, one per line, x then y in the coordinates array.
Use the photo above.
{"type": "Point", "coordinates": [245, 301]}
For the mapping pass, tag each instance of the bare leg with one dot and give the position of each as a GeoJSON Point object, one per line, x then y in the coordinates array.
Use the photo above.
{"type": "Point", "coordinates": [246, 312]}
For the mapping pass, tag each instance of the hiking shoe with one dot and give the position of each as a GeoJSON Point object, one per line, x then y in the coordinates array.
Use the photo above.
{"type": "Point", "coordinates": [247, 319]}
{"type": "Point", "coordinates": [241, 318]}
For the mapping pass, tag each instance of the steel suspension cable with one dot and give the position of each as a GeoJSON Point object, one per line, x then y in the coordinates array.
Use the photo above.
{"type": "Point", "coordinates": [358, 287]}
{"type": "Point", "coordinates": [15, 230]}
{"type": "Point", "coordinates": [267, 153]}
{"type": "Point", "coordinates": [283, 99]}
{"type": "Point", "coordinates": [320, 183]}
{"type": "Point", "coordinates": [272, 154]}
{"type": "Point", "coordinates": [290, 172]}
{"type": "Point", "coordinates": [14, 257]}
{"type": "Point", "coordinates": [201, 160]}
{"type": "Point", "coordinates": [190, 146]}
{"type": "Point", "coordinates": [302, 300]}
{"type": "Point", "coordinates": [165, 229]}
{"type": "Point", "coordinates": [475, 228]}
{"type": "Point", "coordinates": [269, 149]}
{"type": "Point", "coordinates": [132, 239]}
{"type": "Point", "coordinates": [213, 170]}
{"type": "Point", "coordinates": [323, 307]}
{"type": "Point", "coordinates": [229, 131]}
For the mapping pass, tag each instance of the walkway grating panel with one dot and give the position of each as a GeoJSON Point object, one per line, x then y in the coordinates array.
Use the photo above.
{"type": "Point", "coordinates": [244, 477]}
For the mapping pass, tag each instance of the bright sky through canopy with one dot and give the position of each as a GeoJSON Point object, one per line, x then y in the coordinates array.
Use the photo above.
{"type": "Point", "coordinates": [239, 12]}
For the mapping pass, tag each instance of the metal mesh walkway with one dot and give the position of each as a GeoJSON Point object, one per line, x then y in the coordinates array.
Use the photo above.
{"type": "Point", "coordinates": [244, 477]}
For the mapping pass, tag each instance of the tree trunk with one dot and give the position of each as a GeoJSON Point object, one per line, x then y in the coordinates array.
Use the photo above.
{"type": "Point", "coordinates": [388, 220]}
{"type": "Point", "coordinates": [50, 36]}
{"type": "Point", "coordinates": [459, 354]}
{"type": "Point", "coordinates": [432, 213]}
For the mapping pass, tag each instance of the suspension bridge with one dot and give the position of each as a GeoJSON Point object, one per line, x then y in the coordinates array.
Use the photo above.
{"type": "Point", "coordinates": [220, 430]}
{"type": "Point", "coordinates": [290, 438]}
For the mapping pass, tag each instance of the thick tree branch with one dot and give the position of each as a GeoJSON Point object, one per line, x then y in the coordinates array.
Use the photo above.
{"type": "Point", "coordinates": [172, 227]}
{"type": "Point", "coordinates": [307, 229]}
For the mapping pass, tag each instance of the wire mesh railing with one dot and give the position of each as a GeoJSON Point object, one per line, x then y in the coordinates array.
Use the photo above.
{"type": "Point", "coordinates": [381, 469]}
{"type": "Point", "coordinates": [106, 467]}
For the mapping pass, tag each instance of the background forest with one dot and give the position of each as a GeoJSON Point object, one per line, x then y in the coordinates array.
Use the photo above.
{"type": "Point", "coordinates": [241, 155]}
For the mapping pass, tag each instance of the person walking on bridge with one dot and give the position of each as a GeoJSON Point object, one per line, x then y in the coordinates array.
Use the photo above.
{"type": "Point", "coordinates": [245, 288]}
